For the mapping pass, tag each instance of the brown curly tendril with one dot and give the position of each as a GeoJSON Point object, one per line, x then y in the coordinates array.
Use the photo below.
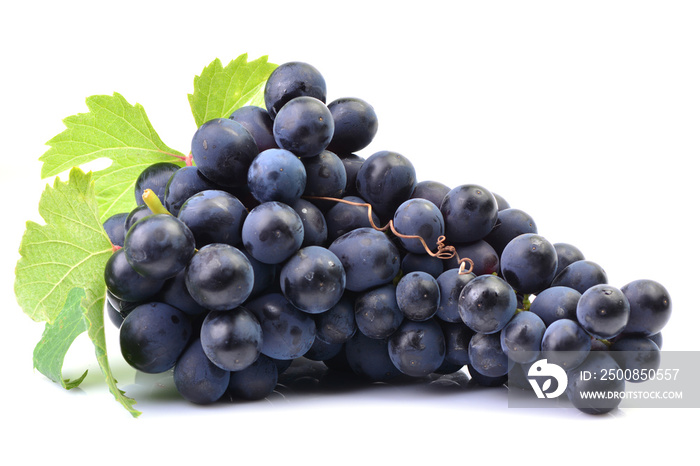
{"type": "Point", "coordinates": [443, 251]}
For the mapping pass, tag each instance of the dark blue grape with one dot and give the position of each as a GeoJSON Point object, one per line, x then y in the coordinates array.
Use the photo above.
{"type": "Point", "coordinates": [135, 215]}
{"type": "Point", "coordinates": [255, 382]}
{"type": "Point", "coordinates": [303, 126]}
{"type": "Point", "coordinates": [198, 379]}
{"type": "Point", "coordinates": [313, 279]}
{"type": "Point", "coordinates": [315, 227]}
{"type": "Point", "coordinates": [154, 177]}
{"type": "Point", "coordinates": [637, 354]}
{"type": "Point", "coordinates": [337, 325]}
{"type": "Point", "coordinates": [288, 333]}
{"type": "Point", "coordinates": [264, 275]}
{"type": "Point", "coordinates": [418, 296]}
{"type": "Point", "coordinates": [219, 277]}
{"type": "Point", "coordinates": [153, 336]}
{"type": "Point", "coordinates": [115, 227]}
{"type": "Point", "coordinates": [369, 358]}
{"type": "Point", "coordinates": [451, 283]}
{"type": "Point", "coordinates": [650, 307]}
{"type": "Point", "coordinates": [603, 311]}
{"type": "Point", "coordinates": [581, 275]}
{"type": "Point", "coordinates": [127, 284]}
{"type": "Point", "coordinates": [277, 175]}
{"type": "Point", "coordinates": [432, 191]}
{"type": "Point", "coordinates": [369, 258]}
{"type": "Point", "coordinates": [485, 258]}
{"type": "Point", "coordinates": [554, 303]}
{"type": "Point", "coordinates": [385, 180]}
{"type": "Point", "coordinates": [183, 184]}
{"type": "Point", "coordinates": [343, 218]}
{"type": "Point", "coordinates": [528, 263]}
{"type": "Point", "coordinates": [470, 212]}
{"type": "Point", "coordinates": [431, 265]}
{"type": "Point", "coordinates": [290, 80]}
{"type": "Point", "coordinates": [322, 351]}
{"type": "Point", "coordinates": [501, 201]}
{"type": "Point", "coordinates": [457, 338]}
{"type": "Point", "coordinates": [352, 164]}
{"type": "Point", "coordinates": [231, 339]}
{"type": "Point", "coordinates": [597, 362]}
{"type": "Point", "coordinates": [486, 355]}
{"type": "Point", "coordinates": [223, 150]}
{"type": "Point", "coordinates": [258, 123]}
{"type": "Point", "coordinates": [522, 336]}
{"type": "Point", "coordinates": [325, 175]}
{"type": "Point", "coordinates": [272, 232]}
{"type": "Point", "coordinates": [417, 348]}
{"type": "Point", "coordinates": [355, 124]}
{"type": "Point", "coordinates": [419, 217]}
{"type": "Point", "coordinates": [565, 343]}
{"type": "Point", "coordinates": [510, 224]}
{"type": "Point", "coordinates": [214, 216]}
{"type": "Point", "coordinates": [113, 314]}
{"type": "Point", "coordinates": [487, 303]}
{"type": "Point", "coordinates": [159, 246]}
{"type": "Point", "coordinates": [377, 313]}
{"type": "Point", "coordinates": [174, 292]}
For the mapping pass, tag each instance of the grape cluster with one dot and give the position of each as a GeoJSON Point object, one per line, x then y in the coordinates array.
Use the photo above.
{"type": "Point", "coordinates": [270, 247]}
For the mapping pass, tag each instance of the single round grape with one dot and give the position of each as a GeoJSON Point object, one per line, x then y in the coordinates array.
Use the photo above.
{"type": "Point", "coordinates": [326, 176]}
{"type": "Point", "coordinates": [159, 246]}
{"type": "Point", "coordinates": [277, 175]}
{"type": "Point", "coordinates": [231, 339]}
{"type": "Point", "coordinates": [223, 150]}
{"type": "Point", "coordinates": [322, 351]}
{"type": "Point", "coordinates": [255, 382]}
{"type": "Point", "coordinates": [487, 303]}
{"type": "Point", "coordinates": [303, 126]}
{"type": "Point", "coordinates": [352, 164]}
{"type": "Point", "coordinates": [153, 336]}
{"type": "Point", "coordinates": [355, 124]}
{"type": "Point", "coordinates": [431, 265]}
{"type": "Point", "coordinates": [288, 333]}
{"type": "Point", "coordinates": [377, 313]}
{"type": "Point", "coordinates": [637, 354]}
{"type": "Point", "coordinates": [315, 227]}
{"type": "Point", "coordinates": [565, 343]}
{"type": "Point", "coordinates": [485, 258]}
{"type": "Point", "coordinates": [650, 306]}
{"type": "Point", "coordinates": [198, 379]}
{"type": "Point", "coordinates": [487, 356]}
{"type": "Point", "coordinates": [115, 227]}
{"type": "Point", "coordinates": [419, 217]}
{"type": "Point", "coordinates": [581, 275]}
{"type": "Point", "coordinates": [135, 215]}
{"type": "Point", "coordinates": [127, 284]}
{"type": "Point", "coordinates": [528, 263]}
{"type": "Point", "coordinates": [451, 283]}
{"type": "Point", "coordinates": [369, 258]}
{"type": "Point", "coordinates": [258, 123]}
{"type": "Point", "coordinates": [501, 201]}
{"type": "Point", "coordinates": [554, 303]}
{"type": "Point", "coordinates": [418, 296]}
{"type": "Point", "coordinates": [580, 388]}
{"type": "Point", "coordinates": [603, 311]}
{"type": "Point", "coordinates": [272, 232]}
{"type": "Point", "coordinates": [219, 277]}
{"type": "Point", "coordinates": [313, 279]}
{"type": "Point", "coordinates": [521, 338]}
{"type": "Point", "coordinates": [510, 224]}
{"type": "Point", "coordinates": [290, 80]}
{"type": "Point", "coordinates": [457, 338]}
{"type": "Point", "coordinates": [369, 358]}
{"type": "Point", "coordinates": [154, 177]}
{"type": "Point", "coordinates": [337, 325]}
{"type": "Point", "coordinates": [343, 218]}
{"type": "Point", "coordinates": [417, 349]}
{"type": "Point", "coordinates": [174, 292]}
{"type": "Point", "coordinates": [470, 212]}
{"type": "Point", "coordinates": [432, 191]}
{"type": "Point", "coordinates": [567, 254]}
{"type": "Point", "coordinates": [385, 180]}
{"type": "Point", "coordinates": [214, 216]}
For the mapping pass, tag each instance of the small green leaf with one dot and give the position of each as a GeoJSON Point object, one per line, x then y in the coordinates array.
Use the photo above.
{"type": "Point", "coordinates": [116, 130]}
{"type": "Point", "coordinates": [70, 251]}
{"type": "Point", "coordinates": [218, 91]}
{"type": "Point", "coordinates": [94, 320]}
{"type": "Point", "coordinates": [50, 352]}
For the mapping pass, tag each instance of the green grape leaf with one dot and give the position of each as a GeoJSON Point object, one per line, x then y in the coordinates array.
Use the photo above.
{"type": "Point", "coordinates": [50, 352]}
{"type": "Point", "coordinates": [69, 251]}
{"type": "Point", "coordinates": [220, 90]}
{"type": "Point", "coordinates": [94, 320]}
{"type": "Point", "coordinates": [112, 129]}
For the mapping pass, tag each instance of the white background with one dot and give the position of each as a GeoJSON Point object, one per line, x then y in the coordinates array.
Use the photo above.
{"type": "Point", "coordinates": [584, 114]}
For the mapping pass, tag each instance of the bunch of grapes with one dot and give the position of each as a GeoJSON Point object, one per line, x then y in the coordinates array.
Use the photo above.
{"type": "Point", "coordinates": [278, 242]}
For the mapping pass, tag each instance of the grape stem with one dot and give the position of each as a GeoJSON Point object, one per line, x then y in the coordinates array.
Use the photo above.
{"type": "Point", "coordinates": [443, 251]}
{"type": "Point", "coordinates": [153, 203]}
